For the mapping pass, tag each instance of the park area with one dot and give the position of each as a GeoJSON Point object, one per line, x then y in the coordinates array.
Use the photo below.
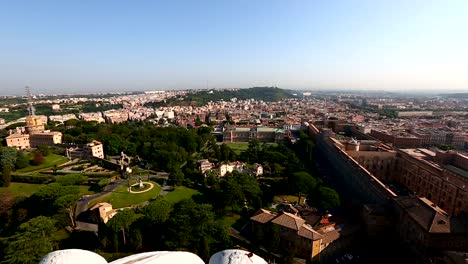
{"type": "Point", "coordinates": [180, 193]}
{"type": "Point", "coordinates": [122, 198]}
{"type": "Point", "coordinates": [239, 147]}
{"type": "Point", "coordinates": [49, 161]}
{"type": "Point", "coordinates": [19, 189]}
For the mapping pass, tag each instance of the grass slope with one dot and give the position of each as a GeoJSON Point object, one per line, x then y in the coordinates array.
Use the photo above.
{"type": "Point", "coordinates": [180, 193]}
{"type": "Point", "coordinates": [49, 162]}
{"type": "Point", "coordinates": [18, 189]}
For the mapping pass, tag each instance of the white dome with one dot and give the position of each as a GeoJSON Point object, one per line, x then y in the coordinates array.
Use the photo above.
{"type": "Point", "coordinates": [72, 256]}
{"type": "Point", "coordinates": [161, 257]}
{"type": "Point", "coordinates": [236, 256]}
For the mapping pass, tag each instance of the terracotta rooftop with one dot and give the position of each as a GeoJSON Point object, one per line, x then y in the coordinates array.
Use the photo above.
{"type": "Point", "coordinates": [307, 232]}
{"type": "Point", "coordinates": [289, 220]}
{"type": "Point", "coordinates": [263, 216]}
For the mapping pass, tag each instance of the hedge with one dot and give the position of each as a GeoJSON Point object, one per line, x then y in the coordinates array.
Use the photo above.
{"type": "Point", "coordinates": [31, 179]}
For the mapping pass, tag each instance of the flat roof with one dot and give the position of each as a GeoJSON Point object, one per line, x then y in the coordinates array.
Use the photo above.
{"type": "Point", "coordinates": [457, 170]}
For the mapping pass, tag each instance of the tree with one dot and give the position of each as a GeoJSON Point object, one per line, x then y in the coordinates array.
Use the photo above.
{"type": "Point", "coordinates": [50, 194]}
{"type": "Point", "coordinates": [177, 176]}
{"type": "Point", "coordinates": [158, 211]}
{"type": "Point", "coordinates": [252, 154]}
{"type": "Point", "coordinates": [238, 188]}
{"type": "Point", "coordinates": [7, 163]}
{"type": "Point", "coordinates": [301, 183]}
{"type": "Point", "coordinates": [71, 179]}
{"type": "Point", "coordinates": [6, 176]}
{"type": "Point", "coordinates": [68, 202]}
{"type": "Point", "coordinates": [121, 223]}
{"type": "Point", "coordinates": [193, 227]}
{"type": "Point", "coordinates": [22, 160]}
{"type": "Point", "coordinates": [38, 158]}
{"type": "Point", "coordinates": [44, 149]}
{"type": "Point", "coordinates": [31, 242]}
{"type": "Point", "coordinates": [324, 198]}
{"type": "Point", "coordinates": [232, 191]}
{"type": "Point", "coordinates": [226, 153]}
{"type": "Point", "coordinates": [327, 198]}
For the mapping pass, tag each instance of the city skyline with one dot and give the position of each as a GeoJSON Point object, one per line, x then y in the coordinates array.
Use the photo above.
{"type": "Point", "coordinates": [110, 46]}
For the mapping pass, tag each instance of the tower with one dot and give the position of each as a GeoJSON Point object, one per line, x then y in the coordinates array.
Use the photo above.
{"type": "Point", "coordinates": [31, 109]}
{"type": "Point", "coordinates": [33, 125]}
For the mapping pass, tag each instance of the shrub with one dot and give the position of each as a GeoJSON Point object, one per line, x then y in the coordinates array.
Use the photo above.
{"type": "Point", "coordinates": [31, 179]}
{"type": "Point", "coordinates": [38, 158]}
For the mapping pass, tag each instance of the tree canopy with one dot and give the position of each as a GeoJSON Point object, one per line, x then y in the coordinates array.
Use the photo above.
{"type": "Point", "coordinates": [31, 242]}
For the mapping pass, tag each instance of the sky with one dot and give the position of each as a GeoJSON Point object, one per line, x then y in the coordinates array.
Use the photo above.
{"type": "Point", "coordinates": [115, 45]}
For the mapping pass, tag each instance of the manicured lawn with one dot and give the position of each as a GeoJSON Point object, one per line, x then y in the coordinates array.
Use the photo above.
{"type": "Point", "coordinates": [27, 189]}
{"type": "Point", "coordinates": [50, 161]}
{"type": "Point", "coordinates": [22, 189]}
{"type": "Point", "coordinates": [84, 189]}
{"type": "Point", "coordinates": [180, 193]}
{"type": "Point", "coordinates": [238, 147]}
{"type": "Point", "coordinates": [230, 220]}
{"type": "Point", "coordinates": [122, 198]}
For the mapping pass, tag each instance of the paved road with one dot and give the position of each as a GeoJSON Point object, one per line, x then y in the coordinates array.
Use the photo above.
{"type": "Point", "coordinates": [82, 204]}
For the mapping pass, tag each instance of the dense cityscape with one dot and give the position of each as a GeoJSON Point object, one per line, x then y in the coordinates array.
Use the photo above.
{"type": "Point", "coordinates": [292, 176]}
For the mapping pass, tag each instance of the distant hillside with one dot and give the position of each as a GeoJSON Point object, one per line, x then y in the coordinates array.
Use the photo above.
{"type": "Point", "coordinates": [267, 94]}
{"type": "Point", "coordinates": [455, 95]}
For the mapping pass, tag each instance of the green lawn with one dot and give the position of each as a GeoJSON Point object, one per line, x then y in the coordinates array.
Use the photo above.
{"type": "Point", "coordinates": [122, 198]}
{"type": "Point", "coordinates": [84, 189]}
{"type": "Point", "coordinates": [239, 147]}
{"type": "Point", "coordinates": [180, 193]}
{"type": "Point", "coordinates": [27, 189]}
{"type": "Point", "coordinates": [22, 189]}
{"type": "Point", "coordinates": [230, 220]}
{"type": "Point", "coordinates": [50, 161]}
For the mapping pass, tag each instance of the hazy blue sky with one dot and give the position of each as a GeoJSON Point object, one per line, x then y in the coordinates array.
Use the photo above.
{"type": "Point", "coordinates": [112, 45]}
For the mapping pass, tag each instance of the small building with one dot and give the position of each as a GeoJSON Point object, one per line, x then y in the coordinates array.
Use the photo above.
{"type": "Point", "coordinates": [103, 212]}
{"type": "Point", "coordinates": [92, 149]}
{"type": "Point", "coordinates": [230, 167]}
{"type": "Point", "coordinates": [18, 141]}
{"type": "Point", "coordinates": [45, 138]}
{"type": "Point", "coordinates": [293, 232]}
{"type": "Point", "coordinates": [205, 165]}
{"type": "Point", "coordinates": [56, 107]}
{"type": "Point", "coordinates": [2, 121]}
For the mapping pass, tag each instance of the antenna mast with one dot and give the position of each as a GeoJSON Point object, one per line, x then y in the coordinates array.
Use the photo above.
{"type": "Point", "coordinates": [31, 109]}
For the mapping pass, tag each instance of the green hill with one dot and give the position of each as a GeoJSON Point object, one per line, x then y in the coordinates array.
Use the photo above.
{"type": "Point", "coordinates": [267, 94]}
